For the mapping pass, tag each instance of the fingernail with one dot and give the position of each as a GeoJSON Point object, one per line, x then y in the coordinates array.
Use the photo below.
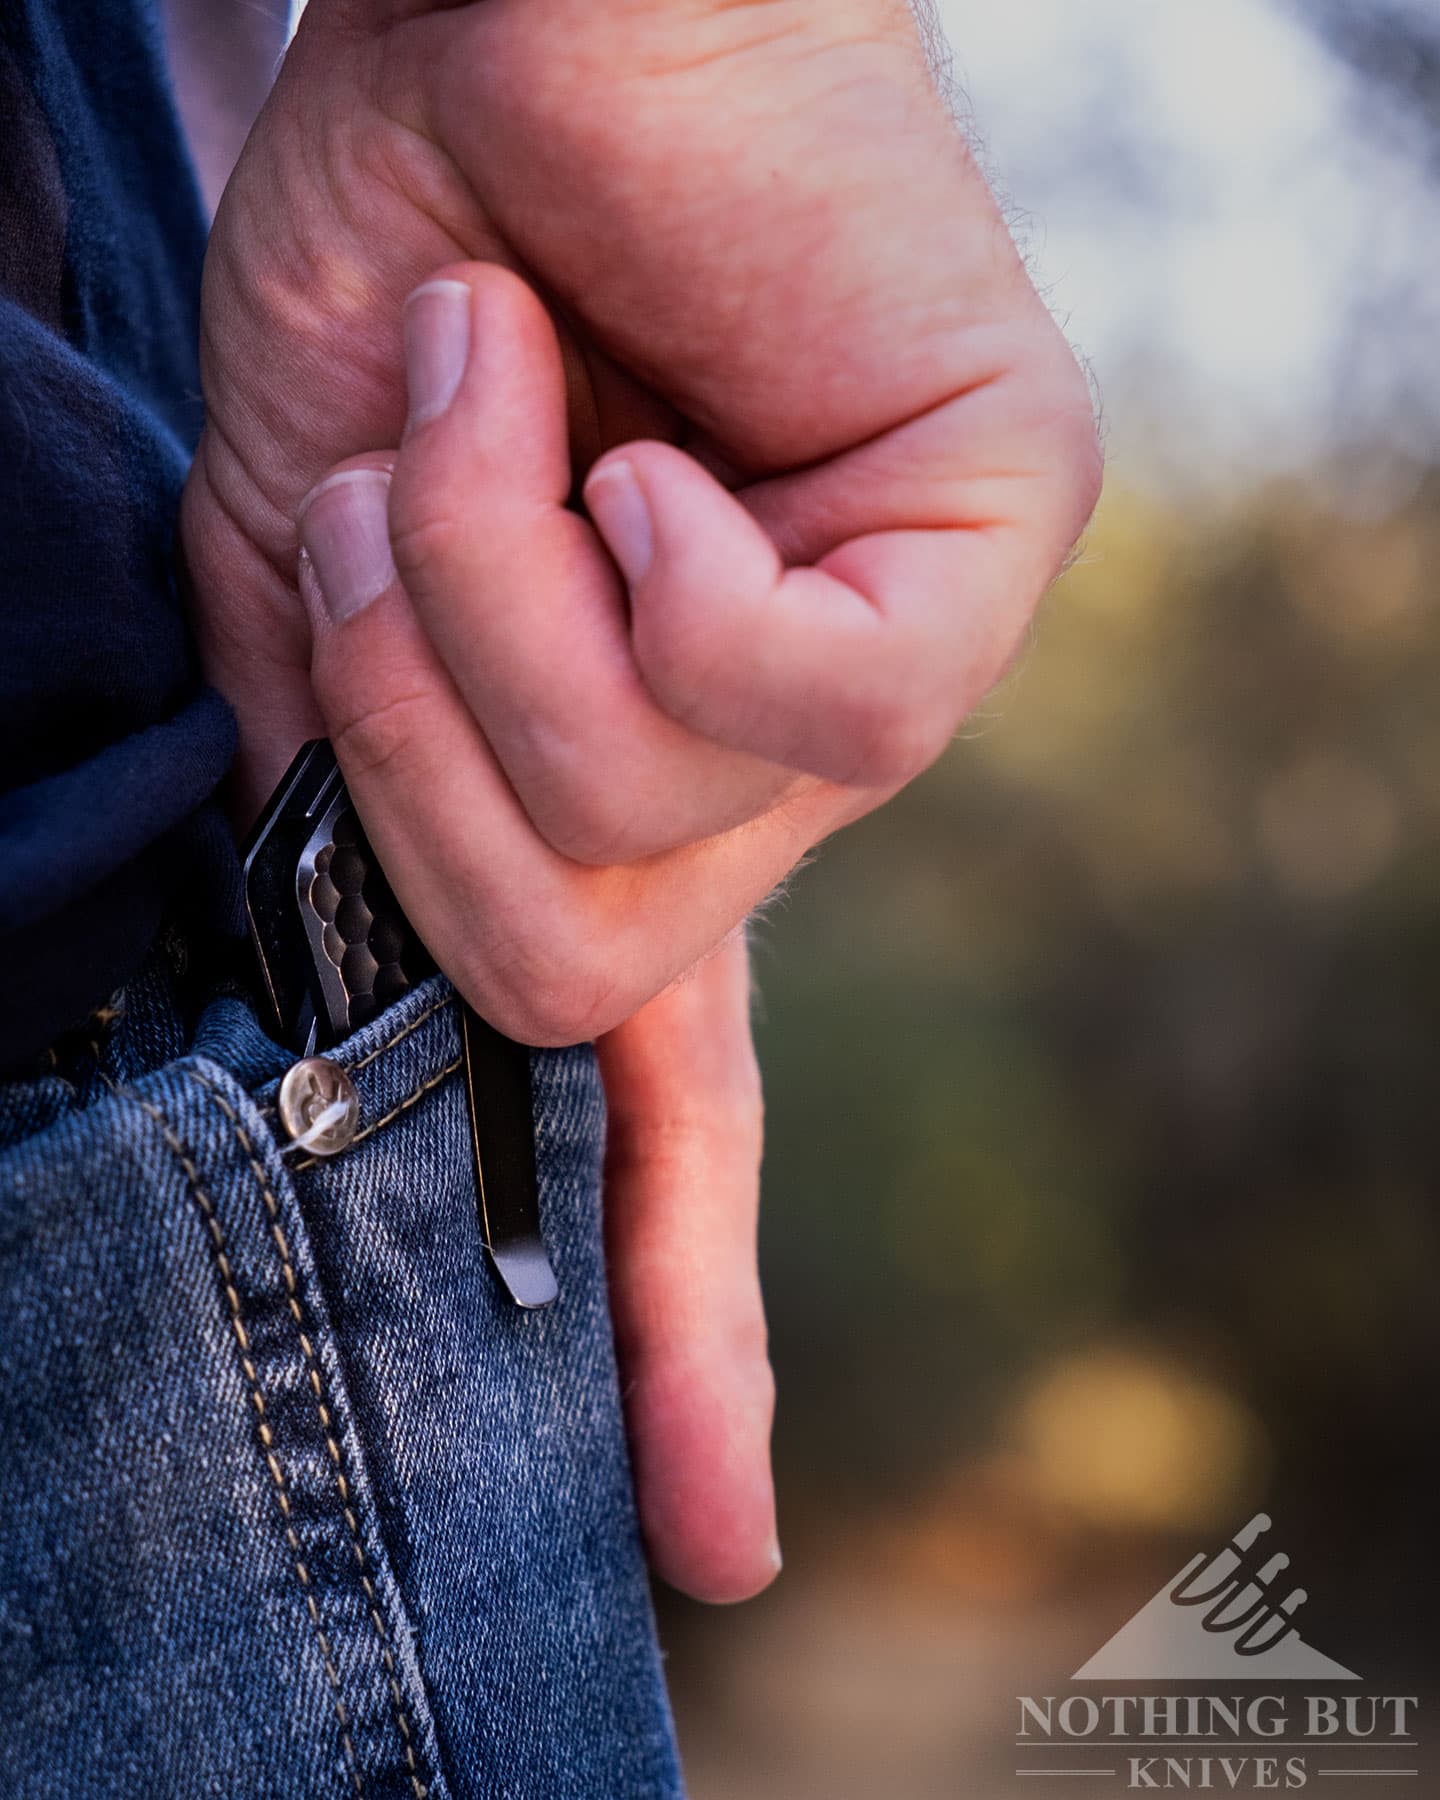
{"type": "Point", "coordinates": [777, 1561]}
{"type": "Point", "coordinates": [437, 344]}
{"type": "Point", "coordinates": [345, 529]}
{"type": "Point", "coordinates": [617, 505]}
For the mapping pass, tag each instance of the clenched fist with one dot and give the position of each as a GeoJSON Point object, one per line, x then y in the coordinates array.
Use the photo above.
{"type": "Point", "coordinates": [709, 477]}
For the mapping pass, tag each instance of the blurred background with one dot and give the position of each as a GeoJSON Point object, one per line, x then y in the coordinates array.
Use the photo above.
{"type": "Point", "coordinates": [1100, 1196]}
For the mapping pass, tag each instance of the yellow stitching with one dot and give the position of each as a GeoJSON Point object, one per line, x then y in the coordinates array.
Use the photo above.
{"type": "Point", "coordinates": [207, 1208]}
{"type": "Point", "coordinates": [272, 1207]}
{"type": "Point", "coordinates": [354, 1068]}
{"type": "Point", "coordinates": [309, 1162]}
{"type": "Point", "coordinates": [414, 1025]}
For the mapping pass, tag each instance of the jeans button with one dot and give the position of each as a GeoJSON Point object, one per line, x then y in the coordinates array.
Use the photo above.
{"type": "Point", "coordinates": [319, 1107]}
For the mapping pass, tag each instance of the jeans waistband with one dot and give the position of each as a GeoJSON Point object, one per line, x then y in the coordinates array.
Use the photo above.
{"type": "Point", "coordinates": [297, 1488]}
{"type": "Point", "coordinates": [165, 1013]}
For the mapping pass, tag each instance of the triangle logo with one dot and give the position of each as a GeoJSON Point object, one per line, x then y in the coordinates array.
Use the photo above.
{"type": "Point", "coordinates": [1226, 1616]}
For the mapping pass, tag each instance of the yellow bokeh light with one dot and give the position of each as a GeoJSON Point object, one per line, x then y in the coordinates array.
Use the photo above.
{"type": "Point", "coordinates": [1126, 1439]}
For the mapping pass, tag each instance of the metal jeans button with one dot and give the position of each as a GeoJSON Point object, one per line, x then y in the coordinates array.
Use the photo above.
{"type": "Point", "coordinates": [319, 1107]}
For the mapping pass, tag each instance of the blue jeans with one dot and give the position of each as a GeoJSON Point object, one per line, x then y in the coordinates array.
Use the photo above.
{"type": "Point", "coordinates": [295, 1501]}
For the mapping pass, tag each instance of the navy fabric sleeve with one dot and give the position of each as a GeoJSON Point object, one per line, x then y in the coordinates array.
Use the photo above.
{"type": "Point", "coordinates": [111, 749]}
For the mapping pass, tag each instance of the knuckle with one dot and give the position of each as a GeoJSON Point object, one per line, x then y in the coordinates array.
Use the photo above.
{"type": "Point", "coordinates": [546, 993]}
{"type": "Point", "coordinates": [1083, 465]}
{"type": "Point", "coordinates": [572, 1007]}
{"type": "Point", "coordinates": [681, 659]}
{"type": "Point", "coordinates": [897, 742]}
{"type": "Point", "coordinates": [713, 1130]}
{"type": "Point", "coordinates": [586, 822]}
{"type": "Point", "coordinates": [1066, 424]}
{"type": "Point", "coordinates": [425, 530]}
{"type": "Point", "coordinates": [379, 738]}
{"type": "Point", "coordinates": [740, 1337]}
{"type": "Point", "coordinates": [762, 1376]}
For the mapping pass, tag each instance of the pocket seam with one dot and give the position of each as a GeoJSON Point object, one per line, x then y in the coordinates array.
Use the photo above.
{"type": "Point", "coordinates": [216, 1234]}
{"type": "Point", "coordinates": [317, 1386]}
{"type": "Point", "coordinates": [268, 1110]}
{"type": "Point", "coordinates": [441, 1075]}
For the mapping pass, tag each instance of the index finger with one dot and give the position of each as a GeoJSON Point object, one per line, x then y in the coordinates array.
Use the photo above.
{"type": "Point", "coordinates": [844, 619]}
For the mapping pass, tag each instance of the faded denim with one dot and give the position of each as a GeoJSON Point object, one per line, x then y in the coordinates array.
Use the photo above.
{"type": "Point", "coordinates": [295, 1502]}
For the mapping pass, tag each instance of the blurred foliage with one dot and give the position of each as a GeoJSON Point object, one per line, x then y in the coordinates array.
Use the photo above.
{"type": "Point", "coordinates": [1104, 1122]}
{"type": "Point", "coordinates": [1118, 1029]}
{"type": "Point", "coordinates": [1103, 1144]}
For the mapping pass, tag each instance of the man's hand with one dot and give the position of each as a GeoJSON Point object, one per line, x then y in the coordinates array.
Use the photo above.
{"type": "Point", "coordinates": [855, 451]}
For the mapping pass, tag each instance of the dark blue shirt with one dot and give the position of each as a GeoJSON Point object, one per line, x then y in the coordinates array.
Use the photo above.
{"type": "Point", "coordinates": [111, 748]}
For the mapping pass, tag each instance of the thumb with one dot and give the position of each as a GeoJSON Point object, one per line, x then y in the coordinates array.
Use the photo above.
{"type": "Point", "coordinates": [682, 1194]}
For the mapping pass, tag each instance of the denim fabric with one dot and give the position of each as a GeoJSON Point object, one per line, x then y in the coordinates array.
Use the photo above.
{"type": "Point", "coordinates": [295, 1501]}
